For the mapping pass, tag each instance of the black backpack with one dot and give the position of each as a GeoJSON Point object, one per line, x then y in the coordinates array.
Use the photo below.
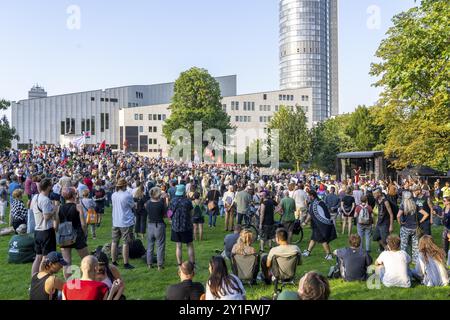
{"type": "Point", "coordinates": [137, 249]}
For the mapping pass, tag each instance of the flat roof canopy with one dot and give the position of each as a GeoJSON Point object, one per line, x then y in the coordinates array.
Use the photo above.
{"type": "Point", "coordinates": [360, 154]}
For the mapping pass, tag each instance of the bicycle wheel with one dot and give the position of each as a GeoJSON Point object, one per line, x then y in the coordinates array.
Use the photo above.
{"type": "Point", "coordinates": [297, 238]}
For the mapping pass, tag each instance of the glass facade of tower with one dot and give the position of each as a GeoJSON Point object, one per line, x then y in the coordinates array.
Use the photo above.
{"type": "Point", "coordinates": [308, 51]}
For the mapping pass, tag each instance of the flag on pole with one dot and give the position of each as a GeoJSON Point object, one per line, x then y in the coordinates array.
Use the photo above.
{"type": "Point", "coordinates": [102, 146]}
{"type": "Point", "coordinates": [79, 142]}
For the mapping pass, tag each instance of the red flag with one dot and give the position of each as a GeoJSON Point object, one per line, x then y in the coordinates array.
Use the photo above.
{"type": "Point", "coordinates": [103, 145]}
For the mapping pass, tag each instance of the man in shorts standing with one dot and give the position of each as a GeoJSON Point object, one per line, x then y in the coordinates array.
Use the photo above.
{"type": "Point", "coordinates": [123, 221]}
{"type": "Point", "coordinates": [44, 215]}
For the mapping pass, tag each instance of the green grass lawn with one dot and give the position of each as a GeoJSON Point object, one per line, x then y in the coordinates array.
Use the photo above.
{"type": "Point", "coordinates": [143, 284]}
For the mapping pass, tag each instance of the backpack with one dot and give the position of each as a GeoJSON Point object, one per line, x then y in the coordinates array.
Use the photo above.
{"type": "Point", "coordinates": [66, 234]}
{"type": "Point", "coordinates": [364, 216]}
{"type": "Point", "coordinates": [137, 249]}
{"type": "Point", "coordinates": [91, 215]}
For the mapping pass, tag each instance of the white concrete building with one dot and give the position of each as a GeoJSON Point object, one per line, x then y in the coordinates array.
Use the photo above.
{"type": "Point", "coordinates": [42, 120]}
{"type": "Point", "coordinates": [142, 126]}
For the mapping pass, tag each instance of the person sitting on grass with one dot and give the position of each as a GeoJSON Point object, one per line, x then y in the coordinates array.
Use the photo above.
{"type": "Point", "coordinates": [284, 249]}
{"type": "Point", "coordinates": [230, 240]}
{"type": "Point", "coordinates": [353, 261]}
{"type": "Point", "coordinates": [393, 264]}
{"type": "Point", "coordinates": [243, 245]}
{"type": "Point", "coordinates": [312, 286]}
{"type": "Point", "coordinates": [45, 284]}
{"type": "Point", "coordinates": [21, 247]}
{"type": "Point", "coordinates": [87, 288]}
{"type": "Point", "coordinates": [221, 285]}
{"type": "Point", "coordinates": [186, 289]}
{"type": "Point", "coordinates": [430, 268]}
{"type": "Point", "coordinates": [19, 214]}
{"type": "Point", "coordinates": [108, 273]}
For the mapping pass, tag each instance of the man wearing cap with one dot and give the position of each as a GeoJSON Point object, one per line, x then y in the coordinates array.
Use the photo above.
{"type": "Point", "coordinates": [21, 247]}
{"type": "Point", "coordinates": [123, 222]}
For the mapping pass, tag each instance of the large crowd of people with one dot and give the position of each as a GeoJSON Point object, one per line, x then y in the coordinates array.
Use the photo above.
{"type": "Point", "coordinates": [66, 191]}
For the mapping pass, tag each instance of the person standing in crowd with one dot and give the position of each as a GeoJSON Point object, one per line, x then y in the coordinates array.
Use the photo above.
{"type": "Point", "coordinates": [393, 264]}
{"type": "Point", "coordinates": [242, 200]}
{"type": "Point", "coordinates": [186, 289]}
{"type": "Point", "coordinates": [197, 216]}
{"type": "Point", "coordinates": [430, 267]}
{"type": "Point", "coordinates": [19, 214]}
{"type": "Point", "coordinates": [301, 202]}
{"type": "Point", "coordinates": [446, 190]}
{"type": "Point", "coordinates": [45, 218]}
{"type": "Point", "coordinates": [347, 209]}
{"type": "Point", "coordinates": [212, 200]}
{"type": "Point", "coordinates": [81, 187]}
{"type": "Point", "coordinates": [408, 217]}
{"type": "Point", "coordinates": [71, 212]}
{"type": "Point", "coordinates": [21, 247]}
{"type": "Point", "coordinates": [100, 200]}
{"type": "Point", "coordinates": [312, 286]}
{"type": "Point", "coordinates": [385, 220]}
{"type": "Point", "coordinates": [3, 200]}
{"type": "Point", "coordinates": [364, 220]}
{"type": "Point", "coordinates": [357, 194]}
{"type": "Point", "coordinates": [45, 284]}
{"type": "Point", "coordinates": [87, 205]}
{"type": "Point", "coordinates": [423, 204]}
{"type": "Point", "coordinates": [140, 198]}
{"type": "Point", "coordinates": [86, 288]}
{"type": "Point", "coordinates": [221, 285]}
{"type": "Point", "coordinates": [323, 230]}
{"type": "Point", "coordinates": [228, 200]}
{"type": "Point", "coordinates": [182, 228]}
{"type": "Point", "coordinates": [332, 202]}
{"type": "Point", "coordinates": [446, 223]}
{"type": "Point", "coordinates": [288, 214]}
{"type": "Point", "coordinates": [123, 222]}
{"type": "Point", "coordinates": [267, 220]}
{"type": "Point", "coordinates": [14, 185]}
{"type": "Point", "coordinates": [353, 262]}
{"type": "Point", "coordinates": [156, 231]}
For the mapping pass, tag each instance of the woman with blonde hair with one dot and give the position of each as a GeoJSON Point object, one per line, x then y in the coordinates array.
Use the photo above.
{"type": "Point", "coordinates": [430, 267]}
{"type": "Point", "coordinates": [409, 224]}
{"type": "Point", "coordinates": [244, 244]}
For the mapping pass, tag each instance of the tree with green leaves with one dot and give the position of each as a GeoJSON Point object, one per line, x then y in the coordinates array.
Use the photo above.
{"type": "Point", "coordinates": [414, 73]}
{"type": "Point", "coordinates": [196, 97]}
{"type": "Point", "coordinates": [6, 132]}
{"type": "Point", "coordinates": [294, 140]}
{"type": "Point", "coordinates": [363, 129]}
{"type": "Point", "coordinates": [328, 138]}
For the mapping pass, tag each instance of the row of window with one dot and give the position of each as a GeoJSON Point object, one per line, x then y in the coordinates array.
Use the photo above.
{"type": "Point", "coordinates": [243, 119]}
{"type": "Point", "coordinates": [286, 97]}
{"type": "Point", "coordinates": [154, 150]}
{"type": "Point", "coordinates": [153, 141]}
{"type": "Point", "coordinates": [104, 122]}
{"type": "Point", "coordinates": [249, 106]}
{"type": "Point", "coordinates": [139, 95]}
{"type": "Point", "coordinates": [152, 129]}
{"type": "Point", "coordinates": [265, 118]}
{"type": "Point", "coordinates": [68, 126]}
{"type": "Point", "coordinates": [114, 100]}
{"type": "Point", "coordinates": [266, 108]}
{"type": "Point", "coordinates": [133, 104]}
{"type": "Point", "coordinates": [154, 117]}
{"type": "Point", "coordinates": [234, 105]}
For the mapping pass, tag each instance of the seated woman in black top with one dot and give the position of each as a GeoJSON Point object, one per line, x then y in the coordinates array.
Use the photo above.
{"type": "Point", "coordinates": [72, 212]}
{"type": "Point", "coordinates": [186, 290]}
{"type": "Point", "coordinates": [45, 284]}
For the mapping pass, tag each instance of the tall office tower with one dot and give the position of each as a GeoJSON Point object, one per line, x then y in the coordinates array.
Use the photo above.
{"type": "Point", "coordinates": [309, 52]}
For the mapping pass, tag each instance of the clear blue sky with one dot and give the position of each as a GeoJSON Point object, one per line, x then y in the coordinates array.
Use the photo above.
{"type": "Point", "coordinates": [152, 41]}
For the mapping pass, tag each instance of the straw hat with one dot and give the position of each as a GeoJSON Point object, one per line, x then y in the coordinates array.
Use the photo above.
{"type": "Point", "coordinates": [121, 183]}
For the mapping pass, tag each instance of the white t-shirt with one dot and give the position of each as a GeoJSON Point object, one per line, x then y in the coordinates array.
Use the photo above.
{"type": "Point", "coordinates": [229, 293]}
{"type": "Point", "coordinates": [300, 196]}
{"type": "Point", "coordinates": [395, 273]}
{"type": "Point", "coordinates": [41, 205]}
